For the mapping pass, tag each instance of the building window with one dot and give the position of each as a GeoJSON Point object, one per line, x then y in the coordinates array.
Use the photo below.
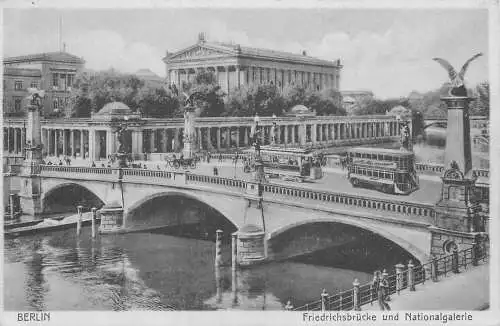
{"type": "Point", "coordinates": [18, 85]}
{"type": "Point", "coordinates": [17, 103]}
{"type": "Point", "coordinates": [34, 84]}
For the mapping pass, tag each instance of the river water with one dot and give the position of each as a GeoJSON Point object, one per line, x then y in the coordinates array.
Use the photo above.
{"type": "Point", "coordinates": [172, 270]}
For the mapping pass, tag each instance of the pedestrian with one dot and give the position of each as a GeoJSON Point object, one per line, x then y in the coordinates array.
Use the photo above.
{"type": "Point", "coordinates": [216, 171]}
{"type": "Point", "coordinates": [60, 162]}
{"type": "Point", "coordinates": [93, 164]}
{"type": "Point", "coordinates": [208, 158]}
{"type": "Point", "coordinates": [220, 157]}
{"type": "Point", "coordinates": [383, 291]}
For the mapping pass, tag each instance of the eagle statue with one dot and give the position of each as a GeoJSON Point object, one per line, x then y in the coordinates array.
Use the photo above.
{"type": "Point", "coordinates": [457, 80]}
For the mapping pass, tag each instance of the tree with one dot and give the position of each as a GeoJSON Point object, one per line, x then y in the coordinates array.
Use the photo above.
{"type": "Point", "coordinates": [157, 102]}
{"type": "Point", "coordinates": [326, 102]}
{"type": "Point", "coordinates": [264, 100]}
{"type": "Point", "coordinates": [211, 101]}
{"type": "Point", "coordinates": [481, 104]}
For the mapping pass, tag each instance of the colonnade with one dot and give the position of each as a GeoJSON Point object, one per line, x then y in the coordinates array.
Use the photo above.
{"type": "Point", "coordinates": [14, 139]}
{"type": "Point", "coordinates": [98, 142]}
{"type": "Point", "coordinates": [233, 76]}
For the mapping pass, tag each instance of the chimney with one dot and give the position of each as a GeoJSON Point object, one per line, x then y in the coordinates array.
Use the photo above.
{"type": "Point", "coordinates": [304, 53]}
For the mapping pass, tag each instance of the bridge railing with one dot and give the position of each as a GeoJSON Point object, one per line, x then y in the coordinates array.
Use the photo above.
{"type": "Point", "coordinates": [407, 208]}
{"type": "Point", "coordinates": [235, 183]}
{"type": "Point", "coordinates": [400, 280]}
{"type": "Point", "coordinates": [75, 169]}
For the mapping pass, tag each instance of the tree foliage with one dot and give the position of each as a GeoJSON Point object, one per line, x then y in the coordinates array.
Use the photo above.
{"type": "Point", "coordinates": [210, 103]}
{"type": "Point", "coordinates": [326, 102]}
{"type": "Point", "coordinates": [91, 91]}
{"type": "Point", "coordinates": [264, 100]}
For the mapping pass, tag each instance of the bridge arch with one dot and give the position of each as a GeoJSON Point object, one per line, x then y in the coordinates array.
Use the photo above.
{"type": "Point", "coordinates": [408, 246]}
{"type": "Point", "coordinates": [96, 198]}
{"type": "Point", "coordinates": [217, 206]}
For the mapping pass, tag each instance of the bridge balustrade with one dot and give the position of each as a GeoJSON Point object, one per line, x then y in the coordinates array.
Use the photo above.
{"type": "Point", "coordinates": [75, 169]}
{"type": "Point", "coordinates": [422, 210]}
{"type": "Point", "coordinates": [429, 167]}
{"type": "Point", "coordinates": [235, 183]}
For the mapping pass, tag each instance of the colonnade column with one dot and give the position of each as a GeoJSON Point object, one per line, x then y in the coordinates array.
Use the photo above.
{"type": "Point", "coordinates": [72, 142]}
{"type": "Point", "coordinates": [91, 145]}
{"type": "Point", "coordinates": [245, 135]}
{"type": "Point", "coordinates": [82, 144]}
{"type": "Point", "coordinates": [164, 139]}
{"type": "Point", "coordinates": [218, 138]}
{"type": "Point", "coordinates": [313, 133]}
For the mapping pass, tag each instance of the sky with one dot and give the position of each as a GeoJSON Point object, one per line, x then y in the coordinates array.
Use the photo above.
{"type": "Point", "coordinates": [387, 51]}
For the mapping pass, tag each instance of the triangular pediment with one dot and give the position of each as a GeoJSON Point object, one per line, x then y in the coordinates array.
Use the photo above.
{"type": "Point", "coordinates": [199, 51]}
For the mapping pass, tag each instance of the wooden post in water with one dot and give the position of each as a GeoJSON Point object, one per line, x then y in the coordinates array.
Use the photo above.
{"type": "Point", "coordinates": [12, 206]}
{"type": "Point", "coordinates": [218, 248]}
{"type": "Point", "coordinates": [93, 221]}
{"type": "Point", "coordinates": [79, 221]}
{"type": "Point", "coordinates": [234, 250]}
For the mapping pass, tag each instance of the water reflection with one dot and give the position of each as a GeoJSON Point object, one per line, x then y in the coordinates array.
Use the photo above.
{"type": "Point", "coordinates": [151, 272]}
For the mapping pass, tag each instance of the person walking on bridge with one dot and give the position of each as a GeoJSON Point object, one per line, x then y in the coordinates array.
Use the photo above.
{"type": "Point", "coordinates": [383, 291]}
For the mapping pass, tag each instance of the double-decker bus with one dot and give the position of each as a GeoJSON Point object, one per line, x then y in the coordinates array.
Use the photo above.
{"type": "Point", "coordinates": [388, 170]}
{"type": "Point", "coordinates": [286, 163]}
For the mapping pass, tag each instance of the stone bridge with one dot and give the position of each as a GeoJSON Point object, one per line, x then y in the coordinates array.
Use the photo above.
{"type": "Point", "coordinates": [407, 224]}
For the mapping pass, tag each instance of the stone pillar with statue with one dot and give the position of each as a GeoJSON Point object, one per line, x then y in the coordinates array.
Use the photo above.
{"type": "Point", "coordinates": [456, 222]}
{"type": "Point", "coordinates": [30, 196]}
{"type": "Point", "coordinates": [189, 125]}
{"type": "Point", "coordinates": [251, 239]}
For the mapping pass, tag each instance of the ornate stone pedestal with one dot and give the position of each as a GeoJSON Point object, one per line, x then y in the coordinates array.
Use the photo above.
{"type": "Point", "coordinates": [30, 199]}
{"type": "Point", "coordinates": [251, 245]}
{"type": "Point", "coordinates": [111, 218]}
{"type": "Point", "coordinates": [121, 160]}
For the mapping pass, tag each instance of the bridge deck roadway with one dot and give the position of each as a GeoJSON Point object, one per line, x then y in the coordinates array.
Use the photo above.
{"type": "Point", "coordinates": [334, 180]}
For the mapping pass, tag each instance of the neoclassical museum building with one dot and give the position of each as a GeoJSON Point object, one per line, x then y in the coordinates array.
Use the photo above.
{"type": "Point", "coordinates": [235, 65]}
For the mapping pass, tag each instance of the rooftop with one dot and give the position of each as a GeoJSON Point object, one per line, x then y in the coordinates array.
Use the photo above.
{"type": "Point", "coordinates": [245, 51]}
{"type": "Point", "coordinates": [63, 57]}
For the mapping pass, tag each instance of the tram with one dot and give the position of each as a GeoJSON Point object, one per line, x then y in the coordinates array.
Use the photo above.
{"type": "Point", "coordinates": [387, 170]}
{"type": "Point", "coordinates": [288, 164]}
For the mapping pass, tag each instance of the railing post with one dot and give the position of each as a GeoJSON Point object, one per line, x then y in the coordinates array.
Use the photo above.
{"type": "Point", "coordinates": [399, 277]}
{"type": "Point", "coordinates": [355, 295]}
{"type": "Point", "coordinates": [411, 276]}
{"type": "Point", "coordinates": [288, 306]}
{"type": "Point", "coordinates": [434, 270]}
{"type": "Point", "coordinates": [454, 260]}
{"type": "Point", "coordinates": [474, 253]}
{"type": "Point", "coordinates": [324, 299]}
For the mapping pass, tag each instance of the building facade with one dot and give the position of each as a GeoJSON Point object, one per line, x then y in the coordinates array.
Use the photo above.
{"type": "Point", "coordinates": [53, 72]}
{"type": "Point", "coordinates": [235, 65]}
